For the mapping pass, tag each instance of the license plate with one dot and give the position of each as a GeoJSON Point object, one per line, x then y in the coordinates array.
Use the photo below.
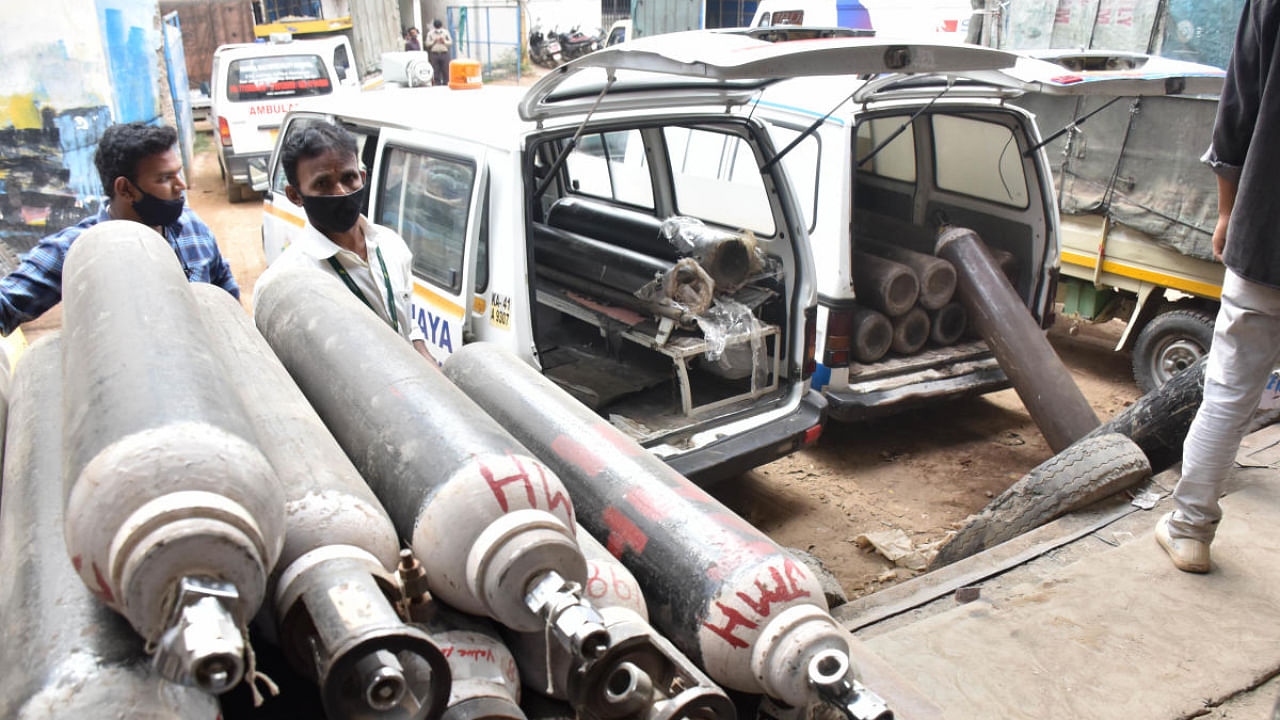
{"type": "Point", "coordinates": [553, 47]}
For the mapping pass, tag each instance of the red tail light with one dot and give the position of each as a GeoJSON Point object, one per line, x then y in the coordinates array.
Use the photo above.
{"type": "Point", "coordinates": [810, 341]}
{"type": "Point", "coordinates": [224, 132]}
{"type": "Point", "coordinates": [811, 435]}
{"type": "Point", "coordinates": [838, 341]}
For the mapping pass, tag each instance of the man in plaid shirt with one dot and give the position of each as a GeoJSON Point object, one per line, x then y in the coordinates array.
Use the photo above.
{"type": "Point", "coordinates": [141, 174]}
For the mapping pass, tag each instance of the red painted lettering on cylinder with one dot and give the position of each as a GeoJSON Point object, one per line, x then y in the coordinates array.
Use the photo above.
{"type": "Point", "coordinates": [733, 620]}
{"type": "Point", "coordinates": [784, 590]}
{"type": "Point", "coordinates": [578, 454]}
{"type": "Point", "coordinates": [620, 442]}
{"type": "Point", "coordinates": [497, 485]}
{"type": "Point", "coordinates": [623, 533]}
{"type": "Point", "coordinates": [647, 505]}
{"type": "Point", "coordinates": [559, 499]}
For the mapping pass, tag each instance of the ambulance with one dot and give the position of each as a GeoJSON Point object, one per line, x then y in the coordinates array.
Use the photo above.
{"type": "Point", "coordinates": [256, 84]}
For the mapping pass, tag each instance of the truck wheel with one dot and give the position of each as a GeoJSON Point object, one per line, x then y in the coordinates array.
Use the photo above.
{"type": "Point", "coordinates": [1172, 342]}
{"type": "Point", "coordinates": [1084, 473]}
{"type": "Point", "coordinates": [235, 191]}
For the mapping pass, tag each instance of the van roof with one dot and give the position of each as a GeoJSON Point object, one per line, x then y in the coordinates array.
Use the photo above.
{"type": "Point", "coordinates": [289, 48]}
{"type": "Point", "coordinates": [486, 115]}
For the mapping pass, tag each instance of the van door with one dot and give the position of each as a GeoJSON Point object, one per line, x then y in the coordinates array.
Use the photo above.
{"type": "Point", "coordinates": [281, 219]}
{"type": "Point", "coordinates": [343, 68]}
{"type": "Point", "coordinates": [430, 191]}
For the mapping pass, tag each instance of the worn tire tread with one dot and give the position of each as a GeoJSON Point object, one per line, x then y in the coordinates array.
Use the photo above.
{"type": "Point", "coordinates": [1084, 473]}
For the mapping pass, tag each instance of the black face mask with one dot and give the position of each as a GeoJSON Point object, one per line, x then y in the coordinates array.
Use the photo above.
{"type": "Point", "coordinates": [334, 213]}
{"type": "Point", "coordinates": [153, 211]}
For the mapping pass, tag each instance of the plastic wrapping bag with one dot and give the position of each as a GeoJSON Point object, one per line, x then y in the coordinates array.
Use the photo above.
{"type": "Point", "coordinates": [735, 341]}
{"type": "Point", "coordinates": [730, 258]}
{"type": "Point", "coordinates": [686, 287]}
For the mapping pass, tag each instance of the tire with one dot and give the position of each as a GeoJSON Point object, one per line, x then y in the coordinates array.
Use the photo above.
{"type": "Point", "coordinates": [235, 191]}
{"type": "Point", "coordinates": [831, 589]}
{"type": "Point", "coordinates": [1084, 473]}
{"type": "Point", "coordinates": [1172, 342]}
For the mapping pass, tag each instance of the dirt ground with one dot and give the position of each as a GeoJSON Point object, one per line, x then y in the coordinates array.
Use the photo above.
{"type": "Point", "coordinates": [922, 471]}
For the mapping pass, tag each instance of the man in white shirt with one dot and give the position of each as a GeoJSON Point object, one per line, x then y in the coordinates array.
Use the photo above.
{"type": "Point", "coordinates": [324, 177]}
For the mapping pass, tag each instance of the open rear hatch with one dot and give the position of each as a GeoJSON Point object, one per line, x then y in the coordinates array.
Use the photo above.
{"type": "Point", "coordinates": [717, 68]}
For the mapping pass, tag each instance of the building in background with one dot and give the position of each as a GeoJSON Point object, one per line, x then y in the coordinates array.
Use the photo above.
{"type": "Point", "coordinates": [72, 68]}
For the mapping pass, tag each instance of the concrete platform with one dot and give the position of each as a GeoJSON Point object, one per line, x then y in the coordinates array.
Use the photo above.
{"type": "Point", "coordinates": [1086, 617]}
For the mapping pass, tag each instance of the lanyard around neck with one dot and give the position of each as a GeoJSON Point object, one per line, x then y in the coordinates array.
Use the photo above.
{"type": "Point", "coordinates": [351, 285]}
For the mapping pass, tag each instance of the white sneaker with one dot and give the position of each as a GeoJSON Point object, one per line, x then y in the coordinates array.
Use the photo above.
{"type": "Point", "coordinates": [1187, 555]}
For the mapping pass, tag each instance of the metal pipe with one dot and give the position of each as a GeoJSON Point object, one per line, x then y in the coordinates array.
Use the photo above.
{"type": "Point", "coordinates": [1047, 390]}
{"type": "Point", "coordinates": [65, 654]}
{"type": "Point", "coordinates": [173, 516]}
{"type": "Point", "coordinates": [887, 286]}
{"type": "Point", "coordinates": [910, 331]}
{"type": "Point", "coordinates": [937, 276]}
{"type": "Point", "coordinates": [731, 599]}
{"type": "Point", "coordinates": [635, 231]}
{"type": "Point", "coordinates": [340, 549]}
{"type": "Point", "coordinates": [490, 523]}
{"type": "Point", "coordinates": [872, 335]}
{"type": "Point", "coordinates": [947, 324]}
{"type": "Point", "coordinates": [616, 267]}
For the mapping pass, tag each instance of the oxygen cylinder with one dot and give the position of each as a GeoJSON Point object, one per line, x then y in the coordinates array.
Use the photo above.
{"type": "Point", "coordinates": [65, 654]}
{"type": "Point", "coordinates": [173, 516]}
{"type": "Point", "coordinates": [492, 525]}
{"type": "Point", "coordinates": [486, 684]}
{"type": "Point", "coordinates": [340, 549]}
{"type": "Point", "coordinates": [937, 276]}
{"type": "Point", "coordinates": [659, 683]}
{"type": "Point", "coordinates": [730, 598]}
{"type": "Point", "coordinates": [996, 311]}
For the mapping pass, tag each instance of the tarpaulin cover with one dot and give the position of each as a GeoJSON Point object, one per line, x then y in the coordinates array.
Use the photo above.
{"type": "Point", "coordinates": [1197, 30]}
{"type": "Point", "coordinates": [1088, 24]}
{"type": "Point", "coordinates": [1139, 161]}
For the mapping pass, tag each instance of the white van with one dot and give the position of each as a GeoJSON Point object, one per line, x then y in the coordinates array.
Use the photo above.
{"type": "Point", "coordinates": [813, 13]}
{"type": "Point", "coordinates": [901, 157]}
{"type": "Point", "coordinates": [255, 84]}
{"type": "Point", "coordinates": [587, 258]}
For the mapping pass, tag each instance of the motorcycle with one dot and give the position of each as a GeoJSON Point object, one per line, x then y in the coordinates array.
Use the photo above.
{"type": "Point", "coordinates": [544, 49]}
{"type": "Point", "coordinates": [575, 43]}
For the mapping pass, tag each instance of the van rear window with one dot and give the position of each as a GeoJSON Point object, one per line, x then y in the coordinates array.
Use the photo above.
{"type": "Point", "coordinates": [277, 76]}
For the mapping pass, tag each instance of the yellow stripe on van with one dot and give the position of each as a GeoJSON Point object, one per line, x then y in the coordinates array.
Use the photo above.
{"type": "Point", "coordinates": [271, 209]}
{"type": "Point", "coordinates": [1194, 287]}
{"type": "Point", "coordinates": [438, 301]}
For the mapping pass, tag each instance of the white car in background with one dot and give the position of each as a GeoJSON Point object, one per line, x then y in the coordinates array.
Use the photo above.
{"type": "Point", "coordinates": [256, 84]}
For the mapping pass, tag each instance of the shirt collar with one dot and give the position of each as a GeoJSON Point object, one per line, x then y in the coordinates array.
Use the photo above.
{"type": "Point", "coordinates": [315, 244]}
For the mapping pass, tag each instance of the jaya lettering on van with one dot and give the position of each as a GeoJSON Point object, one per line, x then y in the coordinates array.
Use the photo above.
{"type": "Point", "coordinates": [434, 327]}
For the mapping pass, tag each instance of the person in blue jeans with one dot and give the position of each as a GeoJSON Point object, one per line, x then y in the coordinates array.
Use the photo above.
{"type": "Point", "coordinates": [1245, 155]}
{"type": "Point", "coordinates": [142, 176]}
